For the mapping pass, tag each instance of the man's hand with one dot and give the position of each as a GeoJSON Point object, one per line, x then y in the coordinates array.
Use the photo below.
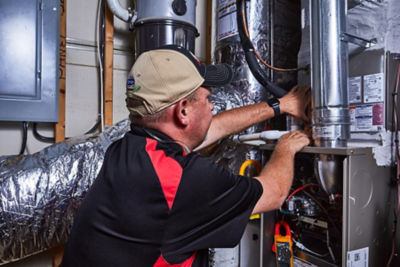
{"type": "Point", "coordinates": [292, 142]}
{"type": "Point", "coordinates": [294, 102]}
{"type": "Point", "coordinates": [277, 175]}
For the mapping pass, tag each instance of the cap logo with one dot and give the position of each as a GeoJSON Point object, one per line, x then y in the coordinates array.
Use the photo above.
{"type": "Point", "coordinates": [136, 88]}
{"type": "Point", "coordinates": [130, 83]}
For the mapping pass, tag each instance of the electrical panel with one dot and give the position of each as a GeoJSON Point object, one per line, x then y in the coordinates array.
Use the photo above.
{"type": "Point", "coordinates": [29, 43]}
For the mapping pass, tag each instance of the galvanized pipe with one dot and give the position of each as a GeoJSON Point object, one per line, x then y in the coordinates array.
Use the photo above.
{"type": "Point", "coordinates": [329, 63]}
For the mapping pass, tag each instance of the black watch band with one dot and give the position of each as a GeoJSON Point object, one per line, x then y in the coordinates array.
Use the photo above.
{"type": "Point", "coordinates": [274, 104]}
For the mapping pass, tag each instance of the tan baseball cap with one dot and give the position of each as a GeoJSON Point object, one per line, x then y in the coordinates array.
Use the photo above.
{"type": "Point", "coordinates": [161, 77]}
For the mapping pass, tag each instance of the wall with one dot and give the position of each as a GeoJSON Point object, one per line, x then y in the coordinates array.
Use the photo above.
{"type": "Point", "coordinates": [82, 82]}
{"type": "Point", "coordinates": [82, 85]}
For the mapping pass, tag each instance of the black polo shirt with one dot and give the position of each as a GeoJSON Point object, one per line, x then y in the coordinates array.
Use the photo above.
{"type": "Point", "coordinates": [153, 205]}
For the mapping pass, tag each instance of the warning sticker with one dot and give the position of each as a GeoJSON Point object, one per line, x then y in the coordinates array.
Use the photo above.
{"type": "Point", "coordinates": [355, 89]}
{"type": "Point", "coordinates": [358, 258]}
{"type": "Point", "coordinates": [374, 88]}
{"type": "Point", "coordinates": [366, 118]}
{"type": "Point", "coordinates": [227, 24]}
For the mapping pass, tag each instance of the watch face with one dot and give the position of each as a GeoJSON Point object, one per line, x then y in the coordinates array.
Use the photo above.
{"type": "Point", "coordinates": [274, 103]}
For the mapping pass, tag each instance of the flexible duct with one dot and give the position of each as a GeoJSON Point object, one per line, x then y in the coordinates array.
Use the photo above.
{"type": "Point", "coordinates": [251, 58]}
{"type": "Point", "coordinates": [40, 193]}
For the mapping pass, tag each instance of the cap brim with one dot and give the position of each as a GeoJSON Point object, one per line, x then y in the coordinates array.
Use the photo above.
{"type": "Point", "coordinates": [217, 75]}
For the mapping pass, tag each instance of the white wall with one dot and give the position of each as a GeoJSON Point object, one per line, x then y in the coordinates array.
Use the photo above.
{"type": "Point", "coordinates": [82, 84]}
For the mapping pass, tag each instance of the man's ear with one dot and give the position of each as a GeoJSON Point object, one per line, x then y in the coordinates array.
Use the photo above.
{"type": "Point", "coordinates": [182, 112]}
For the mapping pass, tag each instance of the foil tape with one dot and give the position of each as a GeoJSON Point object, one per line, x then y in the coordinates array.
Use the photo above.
{"type": "Point", "coordinates": [40, 193]}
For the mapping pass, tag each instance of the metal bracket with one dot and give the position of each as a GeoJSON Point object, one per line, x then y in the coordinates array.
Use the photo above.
{"type": "Point", "coordinates": [345, 37]}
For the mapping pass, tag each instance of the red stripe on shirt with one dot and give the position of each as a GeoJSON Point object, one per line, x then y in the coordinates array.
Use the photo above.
{"type": "Point", "coordinates": [161, 262]}
{"type": "Point", "coordinates": [168, 170]}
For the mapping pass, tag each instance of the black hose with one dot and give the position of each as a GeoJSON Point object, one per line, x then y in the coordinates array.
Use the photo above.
{"type": "Point", "coordinates": [41, 137]}
{"type": "Point", "coordinates": [95, 127]}
{"type": "Point", "coordinates": [251, 59]}
{"type": "Point", "coordinates": [24, 137]}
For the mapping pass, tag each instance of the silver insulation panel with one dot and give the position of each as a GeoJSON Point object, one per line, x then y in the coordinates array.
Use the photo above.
{"type": "Point", "coordinates": [274, 29]}
{"type": "Point", "coordinates": [40, 193]}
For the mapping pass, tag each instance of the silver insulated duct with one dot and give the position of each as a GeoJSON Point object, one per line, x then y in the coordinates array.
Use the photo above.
{"type": "Point", "coordinates": [330, 112]}
{"type": "Point", "coordinates": [277, 39]}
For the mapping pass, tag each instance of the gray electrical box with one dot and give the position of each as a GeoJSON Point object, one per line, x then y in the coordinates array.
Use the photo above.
{"type": "Point", "coordinates": [29, 45]}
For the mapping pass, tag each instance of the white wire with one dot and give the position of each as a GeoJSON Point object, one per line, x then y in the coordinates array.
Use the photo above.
{"type": "Point", "coordinates": [329, 246]}
{"type": "Point", "coordinates": [303, 247]}
{"type": "Point", "coordinates": [100, 65]}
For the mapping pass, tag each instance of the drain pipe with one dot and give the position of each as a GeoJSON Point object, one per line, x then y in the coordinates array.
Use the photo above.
{"type": "Point", "coordinates": [123, 14]}
{"type": "Point", "coordinates": [330, 113]}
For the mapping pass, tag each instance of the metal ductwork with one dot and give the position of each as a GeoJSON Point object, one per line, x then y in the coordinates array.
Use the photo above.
{"type": "Point", "coordinates": [329, 63]}
{"type": "Point", "coordinates": [172, 22]}
{"type": "Point", "coordinates": [330, 111]}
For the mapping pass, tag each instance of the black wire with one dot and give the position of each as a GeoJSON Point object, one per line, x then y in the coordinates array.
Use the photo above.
{"type": "Point", "coordinates": [95, 127]}
{"type": "Point", "coordinates": [40, 137]}
{"type": "Point", "coordinates": [251, 59]}
{"type": "Point", "coordinates": [24, 137]}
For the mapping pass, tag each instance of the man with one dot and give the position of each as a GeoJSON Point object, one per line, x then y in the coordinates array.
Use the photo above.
{"type": "Point", "coordinates": [157, 203]}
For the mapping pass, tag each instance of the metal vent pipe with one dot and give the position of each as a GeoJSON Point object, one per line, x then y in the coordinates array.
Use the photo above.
{"type": "Point", "coordinates": [329, 63]}
{"type": "Point", "coordinates": [330, 112]}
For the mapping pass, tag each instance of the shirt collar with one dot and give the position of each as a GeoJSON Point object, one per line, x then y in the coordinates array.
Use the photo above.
{"type": "Point", "coordinates": [156, 135]}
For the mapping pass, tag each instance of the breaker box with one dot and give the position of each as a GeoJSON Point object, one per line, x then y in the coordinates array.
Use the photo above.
{"type": "Point", "coordinates": [29, 45]}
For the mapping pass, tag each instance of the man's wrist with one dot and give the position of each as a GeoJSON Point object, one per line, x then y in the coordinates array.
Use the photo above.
{"type": "Point", "coordinates": [274, 103]}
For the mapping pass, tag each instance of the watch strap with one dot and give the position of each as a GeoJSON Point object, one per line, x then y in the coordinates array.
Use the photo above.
{"type": "Point", "coordinates": [274, 104]}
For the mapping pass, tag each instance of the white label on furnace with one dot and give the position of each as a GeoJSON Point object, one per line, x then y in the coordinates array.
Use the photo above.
{"type": "Point", "coordinates": [366, 118]}
{"type": "Point", "coordinates": [227, 24]}
{"type": "Point", "coordinates": [357, 258]}
{"type": "Point", "coordinates": [355, 89]}
{"type": "Point", "coordinates": [374, 88]}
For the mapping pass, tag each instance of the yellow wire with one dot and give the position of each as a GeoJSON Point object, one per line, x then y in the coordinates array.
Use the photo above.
{"type": "Point", "coordinates": [241, 172]}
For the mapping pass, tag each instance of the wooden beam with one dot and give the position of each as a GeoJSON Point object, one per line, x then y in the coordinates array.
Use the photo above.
{"type": "Point", "coordinates": [209, 32]}
{"type": "Point", "coordinates": [108, 67]}
{"type": "Point", "coordinates": [59, 129]}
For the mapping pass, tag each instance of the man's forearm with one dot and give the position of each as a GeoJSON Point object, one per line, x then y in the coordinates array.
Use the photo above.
{"type": "Point", "coordinates": [276, 179]}
{"type": "Point", "coordinates": [236, 120]}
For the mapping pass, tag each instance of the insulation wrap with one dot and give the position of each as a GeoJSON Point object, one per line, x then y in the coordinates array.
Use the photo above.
{"type": "Point", "coordinates": [40, 193]}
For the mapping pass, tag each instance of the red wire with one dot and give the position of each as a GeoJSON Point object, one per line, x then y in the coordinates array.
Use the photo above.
{"type": "Point", "coordinates": [299, 189]}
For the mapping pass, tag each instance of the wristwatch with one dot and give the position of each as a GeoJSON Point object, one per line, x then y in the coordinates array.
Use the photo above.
{"type": "Point", "coordinates": [274, 104]}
